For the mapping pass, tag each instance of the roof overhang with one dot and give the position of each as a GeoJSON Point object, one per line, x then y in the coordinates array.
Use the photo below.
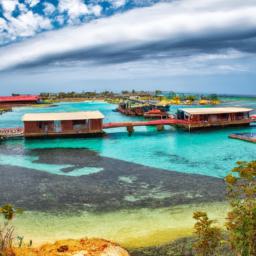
{"type": "Point", "coordinates": [62, 116]}
{"type": "Point", "coordinates": [208, 111]}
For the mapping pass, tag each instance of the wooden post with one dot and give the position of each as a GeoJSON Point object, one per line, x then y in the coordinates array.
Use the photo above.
{"type": "Point", "coordinates": [130, 129]}
{"type": "Point", "coordinates": [160, 127]}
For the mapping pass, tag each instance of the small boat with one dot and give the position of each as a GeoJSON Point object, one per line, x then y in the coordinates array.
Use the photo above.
{"type": "Point", "coordinates": [156, 113]}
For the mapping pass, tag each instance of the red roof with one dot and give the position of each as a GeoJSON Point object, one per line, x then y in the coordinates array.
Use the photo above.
{"type": "Point", "coordinates": [20, 98]}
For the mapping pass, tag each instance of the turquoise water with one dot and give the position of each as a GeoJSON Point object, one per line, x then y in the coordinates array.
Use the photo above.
{"type": "Point", "coordinates": [208, 152]}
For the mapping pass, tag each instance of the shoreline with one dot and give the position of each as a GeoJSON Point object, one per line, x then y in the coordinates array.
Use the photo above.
{"type": "Point", "coordinates": [126, 227]}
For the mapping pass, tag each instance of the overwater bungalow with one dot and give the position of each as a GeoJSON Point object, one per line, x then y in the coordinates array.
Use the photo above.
{"type": "Point", "coordinates": [133, 107]}
{"type": "Point", "coordinates": [19, 100]}
{"type": "Point", "coordinates": [63, 124]}
{"type": "Point", "coordinates": [212, 117]}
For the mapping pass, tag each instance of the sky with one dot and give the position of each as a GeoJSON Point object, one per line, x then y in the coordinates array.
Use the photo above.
{"type": "Point", "coordinates": [179, 45]}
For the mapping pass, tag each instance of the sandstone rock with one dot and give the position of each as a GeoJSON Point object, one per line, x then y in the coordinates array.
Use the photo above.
{"type": "Point", "coordinates": [83, 247]}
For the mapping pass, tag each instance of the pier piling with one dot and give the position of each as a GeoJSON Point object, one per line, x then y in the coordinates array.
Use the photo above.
{"type": "Point", "coordinates": [130, 129]}
{"type": "Point", "coordinates": [160, 127]}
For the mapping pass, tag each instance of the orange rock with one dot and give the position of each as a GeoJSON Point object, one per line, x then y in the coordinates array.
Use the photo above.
{"type": "Point", "coordinates": [83, 247]}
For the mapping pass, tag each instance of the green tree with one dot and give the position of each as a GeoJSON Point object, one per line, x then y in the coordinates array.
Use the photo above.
{"type": "Point", "coordinates": [157, 92]}
{"type": "Point", "coordinates": [213, 97]}
{"type": "Point", "coordinates": [191, 98]}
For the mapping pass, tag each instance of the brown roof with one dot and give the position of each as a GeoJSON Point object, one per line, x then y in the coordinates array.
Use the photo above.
{"type": "Point", "coordinates": [224, 110]}
{"type": "Point", "coordinates": [84, 115]}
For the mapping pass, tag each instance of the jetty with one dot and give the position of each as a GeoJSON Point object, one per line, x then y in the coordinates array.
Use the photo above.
{"type": "Point", "coordinates": [6, 133]}
{"type": "Point", "coordinates": [158, 123]}
{"type": "Point", "coordinates": [250, 137]}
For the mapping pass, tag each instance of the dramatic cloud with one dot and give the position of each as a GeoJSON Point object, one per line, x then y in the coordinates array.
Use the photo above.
{"type": "Point", "coordinates": [89, 41]}
{"type": "Point", "coordinates": [167, 30]}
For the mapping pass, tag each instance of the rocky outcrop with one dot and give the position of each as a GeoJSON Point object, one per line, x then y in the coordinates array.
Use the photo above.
{"type": "Point", "coordinates": [83, 247]}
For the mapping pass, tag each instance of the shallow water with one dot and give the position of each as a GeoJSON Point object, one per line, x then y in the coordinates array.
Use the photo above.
{"type": "Point", "coordinates": [130, 228]}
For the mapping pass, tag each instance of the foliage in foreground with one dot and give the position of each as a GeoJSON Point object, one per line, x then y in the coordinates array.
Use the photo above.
{"type": "Point", "coordinates": [209, 236]}
{"type": "Point", "coordinates": [8, 212]}
{"type": "Point", "coordinates": [241, 220]}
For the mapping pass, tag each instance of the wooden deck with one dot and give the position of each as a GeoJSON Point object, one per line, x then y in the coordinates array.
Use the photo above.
{"type": "Point", "coordinates": [145, 123]}
{"type": "Point", "coordinates": [250, 137]}
{"type": "Point", "coordinates": [11, 132]}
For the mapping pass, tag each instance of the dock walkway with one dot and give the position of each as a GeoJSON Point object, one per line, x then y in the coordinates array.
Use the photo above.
{"type": "Point", "coordinates": [11, 132]}
{"type": "Point", "coordinates": [144, 123]}
{"type": "Point", "coordinates": [250, 137]}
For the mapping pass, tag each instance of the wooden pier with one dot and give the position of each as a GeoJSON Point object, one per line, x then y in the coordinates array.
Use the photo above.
{"type": "Point", "coordinates": [158, 123]}
{"type": "Point", "coordinates": [11, 133]}
{"type": "Point", "coordinates": [250, 137]}
{"type": "Point", "coordinates": [145, 123]}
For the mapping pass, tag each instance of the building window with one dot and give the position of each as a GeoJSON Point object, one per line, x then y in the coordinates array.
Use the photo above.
{"type": "Point", "coordinates": [79, 124]}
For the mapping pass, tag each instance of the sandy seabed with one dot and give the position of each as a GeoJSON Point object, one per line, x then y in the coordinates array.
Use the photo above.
{"type": "Point", "coordinates": [130, 228]}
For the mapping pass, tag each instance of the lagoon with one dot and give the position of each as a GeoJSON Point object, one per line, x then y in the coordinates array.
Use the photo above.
{"type": "Point", "coordinates": [115, 185]}
{"type": "Point", "coordinates": [207, 152]}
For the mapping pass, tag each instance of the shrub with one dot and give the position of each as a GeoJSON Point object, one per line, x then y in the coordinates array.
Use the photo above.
{"type": "Point", "coordinates": [208, 236]}
{"type": "Point", "coordinates": [6, 230]}
{"type": "Point", "coordinates": [241, 220]}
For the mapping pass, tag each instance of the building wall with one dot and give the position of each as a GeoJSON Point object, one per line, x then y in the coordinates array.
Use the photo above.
{"type": "Point", "coordinates": [31, 127]}
{"type": "Point", "coordinates": [67, 125]}
{"type": "Point", "coordinates": [95, 124]}
{"type": "Point", "coordinates": [219, 117]}
{"type": "Point", "coordinates": [39, 128]}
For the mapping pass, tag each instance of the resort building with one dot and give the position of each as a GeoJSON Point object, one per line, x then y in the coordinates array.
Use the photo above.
{"type": "Point", "coordinates": [63, 124]}
{"type": "Point", "coordinates": [19, 100]}
{"type": "Point", "coordinates": [210, 117]}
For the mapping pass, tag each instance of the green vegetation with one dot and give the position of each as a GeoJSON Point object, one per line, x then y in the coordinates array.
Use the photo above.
{"type": "Point", "coordinates": [241, 220]}
{"type": "Point", "coordinates": [8, 212]}
{"type": "Point", "coordinates": [116, 98]}
{"type": "Point", "coordinates": [209, 236]}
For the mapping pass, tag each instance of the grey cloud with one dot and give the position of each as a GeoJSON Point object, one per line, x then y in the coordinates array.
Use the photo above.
{"type": "Point", "coordinates": [112, 53]}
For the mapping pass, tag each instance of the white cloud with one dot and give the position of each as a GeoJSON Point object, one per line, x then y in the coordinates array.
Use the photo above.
{"type": "Point", "coordinates": [2, 25]}
{"type": "Point", "coordinates": [32, 3]}
{"type": "Point", "coordinates": [118, 3]}
{"type": "Point", "coordinates": [22, 8]}
{"type": "Point", "coordinates": [175, 23]}
{"type": "Point", "coordinates": [74, 8]}
{"type": "Point", "coordinates": [49, 8]}
{"type": "Point", "coordinates": [96, 10]}
{"type": "Point", "coordinates": [8, 6]}
{"type": "Point", "coordinates": [60, 19]}
{"type": "Point", "coordinates": [27, 24]}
